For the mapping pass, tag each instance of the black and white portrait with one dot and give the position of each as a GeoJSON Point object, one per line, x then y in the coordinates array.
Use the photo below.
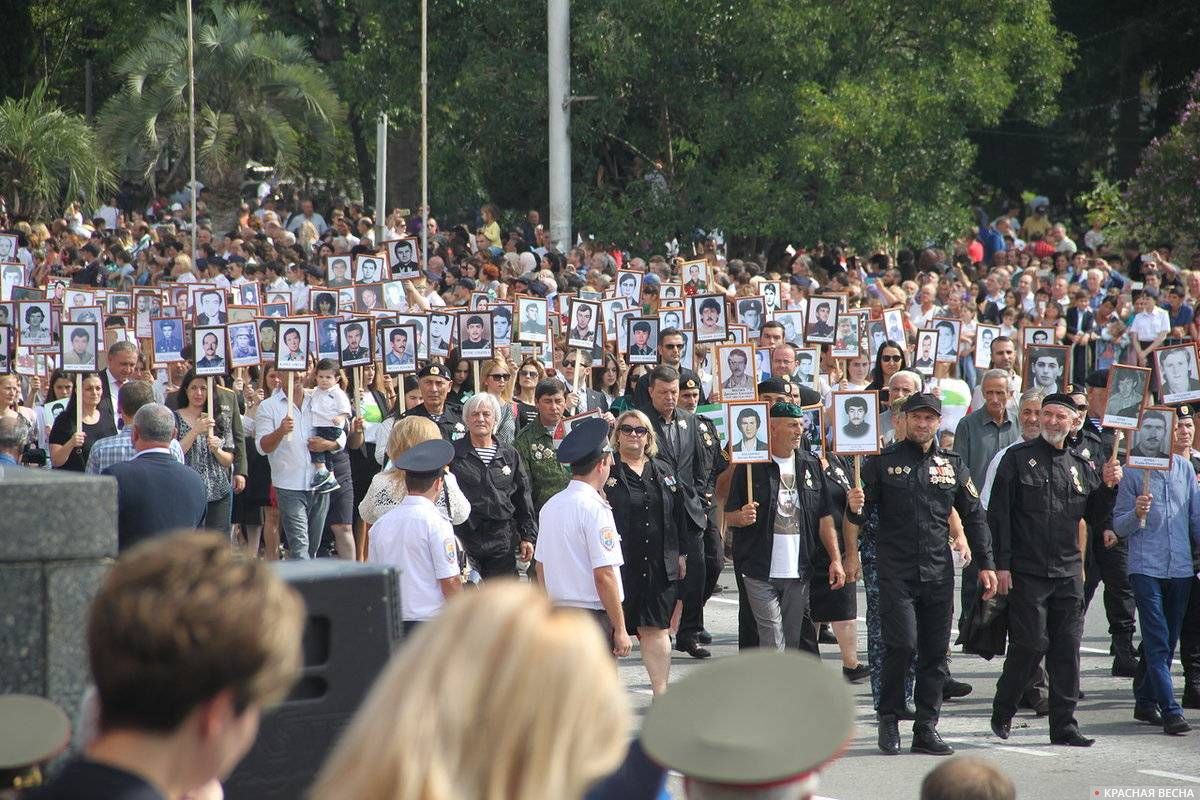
{"type": "Point", "coordinates": [474, 335]}
{"type": "Point", "coordinates": [1151, 445]}
{"type": "Point", "coordinates": [369, 269]}
{"type": "Point", "coordinates": [893, 318]}
{"type": "Point", "coordinates": [671, 317]}
{"type": "Point", "coordinates": [531, 319]}
{"type": "Point", "coordinates": [748, 432]}
{"type": "Point", "coordinates": [807, 361]}
{"type": "Point", "coordinates": [876, 335]}
{"type": "Point", "coordinates": [420, 325]}
{"type": "Point", "coordinates": [609, 309]}
{"type": "Point", "coordinates": [502, 324]}
{"type": "Point", "coordinates": [624, 318]}
{"type": "Point", "coordinates": [404, 257]}
{"type": "Point", "coordinates": [629, 287]}
{"type": "Point", "coordinates": [147, 305]}
{"type": "Point", "coordinates": [1127, 389]}
{"type": "Point", "coordinates": [926, 353]}
{"type": "Point", "coordinates": [5, 349]}
{"type": "Point", "coordinates": [337, 271]}
{"type": "Point", "coordinates": [399, 348]}
{"type": "Point", "coordinates": [855, 423]}
{"type": "Point", "coordinates": [708, 311]}
{"type": "Point", "coordinates": [1036, 336]}
{"type": "Point", "coordinates": [668, 291]}
{"type": "Point", "coordinates": [322, 302]}
{"type": "Point", "coordinates": [847, 338]}
{"type": "Point", "coordinates": [268, 339]}
{"type": "Point", "coordinates": [248, 294]}
{"type": "Point", "coordinates": [208, 306]}
{"type": "Point", "coordinates": [84, 314]}
{"type": "Point", "coordinates": [243, 344]}
{"type": "Point", "coordinates": [327, 337]}
{"type": "Point", "coordinates": [210, 350]}
{"type": "Point", "coordinates": [352, 335]}
{"type": "Point", "coordinates": [948, 333]}
{"type": "Point", "coordinates": [10, 275]}
{"type": "Point", "coordinates": [393, 296]}
{"type": "Point", "coordinates": [643, 340]}
{"type": "Point", "coordinates": [79, 347]}
{"type": "Point", "coordinates": [276, 309]}
{"type": "Point", "coordinates": [368, 298]}
{"type": "Point", "coordinates": [1178, 379]}
{"type": "Point", "coordinates": [793, 326]}
{"type": "Point", "coordinates": [751, 312]}
{"type": "Point", "coordinates": [822, 317]}
{"type": "Point", "coordinates": [441, 334]}
{"type": "Point", "coordinates": [8, 246]}
{"type": "Point", "coordinates": [772, 296]}
{"type": "Point", "coordinates": [292, 353]}
{"type": "Point", "coordinates": [984, 336]}
{"type": "Point", "coordinates": [584, 320]}
{"type": "Point", "coordinates": [1046, 368]}
{"type": "Point", "coordinates": [735, 372]}
{"type": "Point", "coordinates": [6, 315]}
{"type": "Point", "coordinates": [33, 324]}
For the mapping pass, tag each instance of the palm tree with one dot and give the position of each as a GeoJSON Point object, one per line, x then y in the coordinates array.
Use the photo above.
{"type": "Point", "coordinates": [48, 156]}
{"type": "Point", "coordinates": [258, 94]}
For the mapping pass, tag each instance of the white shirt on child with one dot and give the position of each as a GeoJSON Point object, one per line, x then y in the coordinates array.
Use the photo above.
{"type": "Point", "coordinates": [328, 405]}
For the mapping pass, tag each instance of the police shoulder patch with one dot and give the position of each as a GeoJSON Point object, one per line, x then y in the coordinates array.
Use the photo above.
{"type": "Point", "coordinates": [971, 488]}
{"type": "Point", "coordinates": [608, 538]}
{"type": "Point", "coordinates": [451, 549]}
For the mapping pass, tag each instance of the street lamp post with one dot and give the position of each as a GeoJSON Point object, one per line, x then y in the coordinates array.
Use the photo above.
{"type": "Point", "coordinates": [558, 35]}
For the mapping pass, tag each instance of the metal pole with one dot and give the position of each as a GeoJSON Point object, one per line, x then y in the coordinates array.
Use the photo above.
{"type": "Point", "coordinates": [558, 35]}
{"type": "Point", "coordinates": [192, 125]}
{"type": "Point", "coordinates": [381, 128]}
{"type": "Point", "coordinates": [425, 134]}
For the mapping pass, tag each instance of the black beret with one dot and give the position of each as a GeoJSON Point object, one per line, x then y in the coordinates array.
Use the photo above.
{"type": "Point", "coordinates": [434, 371]}
{"type": "Point", "coordinates": [1059, 399]}
{"type": "Point", "coordinates": [773, 385]}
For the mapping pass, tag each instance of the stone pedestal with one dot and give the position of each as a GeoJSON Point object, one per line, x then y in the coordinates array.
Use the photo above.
{"type": "Point", "coordinates": [58, 536]}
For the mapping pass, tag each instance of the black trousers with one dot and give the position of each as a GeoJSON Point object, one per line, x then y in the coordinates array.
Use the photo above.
{"type": "Point", "coordinates": [1189, 637]}
{"type": "Point", "coordinates": [502, 566]}
{"type": "Point", "coordinates": [1111, 565]}
{"type": "Point", "coordinates": [747, 627]}
{"type": "Point", "coordinates": [914, 617]}
{"type": "Point", "coordinates": [714, 558]}
{"type": "Point", "coordinates": [692, 594]}
{"type": "Point", "coordinates": [1045, 619]}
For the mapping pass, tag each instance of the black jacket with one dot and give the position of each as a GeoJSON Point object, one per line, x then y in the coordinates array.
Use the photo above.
{"type": "Point", "coordinates": [451, 426]}
{"type": "Point", "coordinates": [752, 545]}
{"type": "Point", "coordinates": [913, 491]}
{"type": "Point", "coordinates": [501, 507]}
{"type": "Point", "coordinates": [687, 460]}
{"type": "Point", "coordinates": [657, 476]}
{"type": "Point", "coordinates": [156, 494]}
{"type": "Point", "coordinates": [1039, 495]}
{"type": "Point", "coordinates": [641, 390]}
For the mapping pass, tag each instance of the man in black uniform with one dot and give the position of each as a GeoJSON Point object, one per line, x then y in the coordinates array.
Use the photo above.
{"type": "Point", "coordinates": [680, 445]}
{"type": "Point", "coordinates": [1040, 496]}
{"type": "Point", "coordinates": [715, 463]}
{"type": "Point", "coordinates": [1107, 557]}
{"type": "Point", "coordinates": [434, 383]}
{"type": "Point", "coordinates": [914, 484]}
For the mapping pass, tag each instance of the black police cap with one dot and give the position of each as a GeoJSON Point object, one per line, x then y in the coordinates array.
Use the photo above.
{"type": "Point", "coordinates": [586, 442]}
{"type": "Point", "coordinates": [426, 457]}
{"type": "Point", "coordinates": [773, 385]}
{"type": "Point", "coordinates": [917, 402]}
{"type": "Point", "coordinates": [1185, 411]}
{"type": "Point", "coordinates": [434, 371]}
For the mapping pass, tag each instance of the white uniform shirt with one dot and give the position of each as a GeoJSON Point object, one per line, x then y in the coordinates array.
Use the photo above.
{"type": "Point", "coordinates": [419, 541]}
{"type": "Point", "coordinates": [577, 534]}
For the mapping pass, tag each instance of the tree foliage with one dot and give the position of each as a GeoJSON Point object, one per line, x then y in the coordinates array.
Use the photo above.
{"type": "Point", "coordinates": [259, 95]}
{"type": "Point", "coordinates": [48, 156]}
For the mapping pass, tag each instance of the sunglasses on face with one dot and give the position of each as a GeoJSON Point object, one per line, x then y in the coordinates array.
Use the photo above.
{"type": "Point", "coordinates": [527, 373]}
{"type": "Point", "coordinates": [632, 430]}
{"type": "Point", "coordinates": [569, 364]}
{"type": "Point", "coordinates": [672, 347]}
{"type": "Point", "coordinates": [889, 358]}
{"type": "Point", "coordinates": [499, 376]}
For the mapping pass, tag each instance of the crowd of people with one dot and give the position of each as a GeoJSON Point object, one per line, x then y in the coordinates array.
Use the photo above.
{"type": "Point", "coordinates": [616, 427]}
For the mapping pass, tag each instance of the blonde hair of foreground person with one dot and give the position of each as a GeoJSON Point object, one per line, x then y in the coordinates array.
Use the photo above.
{"type": "Point", "coordinates": [501, 697]}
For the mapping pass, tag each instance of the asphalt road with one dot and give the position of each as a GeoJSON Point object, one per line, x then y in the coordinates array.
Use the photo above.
{"type": "Point", "coordinates": [1127, 755]}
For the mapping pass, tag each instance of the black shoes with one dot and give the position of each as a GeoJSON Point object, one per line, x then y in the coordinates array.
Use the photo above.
{"type": "Point", "coordinates": [927, 740]}
{"type": "Point", "coordinates": [1175, 725]}
{"type": "Point", "coordinates": [1001, 727]}
{"type": "Point", "coordinates": [952, 689]}
{"type": "Point", "coordinates": [856, 674]}
{"type": "Point", "coordinates": [704, 637]}
{"type": "Point", "coordinates": [910, 712]}
{"type": "Point", "coordinates": [693, 649]}
{"type": "Point", "coordinates": [1147, 714]}
{"type": "Point", "coordinates": [1124, 657]}
{"type": "Point", "coordinates": [1191, 695]}
{"type": "Point", "coordinates": [825, 635]}
{"type": "Point", "coordinates": [1072, 738]}
{"type": "Point", "coordinates": [889, 735]}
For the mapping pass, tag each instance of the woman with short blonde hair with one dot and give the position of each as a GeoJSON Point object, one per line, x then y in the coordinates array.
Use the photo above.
{"type": "Point", "coordinates": [538, 679]}
{"type": "Point", "coordinates": [387, 487]}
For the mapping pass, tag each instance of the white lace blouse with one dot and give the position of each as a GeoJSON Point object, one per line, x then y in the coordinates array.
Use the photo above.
{"type": "Point", "coordinates": [385, 493]}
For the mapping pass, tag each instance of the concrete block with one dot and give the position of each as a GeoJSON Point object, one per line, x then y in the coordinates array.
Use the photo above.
{"type": "Point", "coordinates": [22, 629]}
{"type": "Point", "coordinates": [52, 515]}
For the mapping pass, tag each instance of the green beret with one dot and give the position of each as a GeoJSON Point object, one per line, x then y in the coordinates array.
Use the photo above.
{"type": "Point", "coordinates": [783, 410]}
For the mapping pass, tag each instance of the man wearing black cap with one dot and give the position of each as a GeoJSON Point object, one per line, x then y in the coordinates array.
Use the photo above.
{"type": "Point", "coordinates": [578, 552]}
{"type": "Point", "coordinates": [1107, 556]}
{"type": "Point", "coordinates": [915, 483]}
{"type": "Point", "coordinates": [434, 383]}
{"type": "Point", "coordinates": [1042, 493]}
{"type": "Point", "coordinates": [417, 539]}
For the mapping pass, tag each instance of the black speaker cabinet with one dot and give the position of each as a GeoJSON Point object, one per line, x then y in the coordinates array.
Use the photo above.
{"type": "Point", "coordinates": [353, 627]}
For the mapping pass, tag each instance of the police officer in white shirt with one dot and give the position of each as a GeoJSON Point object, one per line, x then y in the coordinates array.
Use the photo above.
{"type": "Point", "coordinates": [417, 539]}
{"type": "Point", "coordinates": [579, 552]}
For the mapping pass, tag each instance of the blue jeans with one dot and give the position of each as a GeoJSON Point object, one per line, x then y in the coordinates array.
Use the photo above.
{"type": "Point", "coordinates": [302, 516]}
{"type": "Point", "coordinates": [1161, 604]}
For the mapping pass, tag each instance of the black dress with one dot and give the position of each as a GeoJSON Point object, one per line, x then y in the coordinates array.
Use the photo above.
{"type": "Point", "coordinates": [647, 521]}
{"type": "Point", "coordinates": [64, 428]}
{"type": "Point", "coordinates": [825, 604]}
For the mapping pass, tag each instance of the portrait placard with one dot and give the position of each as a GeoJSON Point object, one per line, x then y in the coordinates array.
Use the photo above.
{"type": "Point", "coordinates": [394, 297]}
{"type": "Point", "coordinates": [6, 348]}
{"type": "Point", "coordinates": [584, 320]}
{"type": "Point", "coordinates": [474, 335]}
{"type": "Point", "coordinates": [120, 303]}
{"type": "Point", "coordinates": [208, 306]}
{"type": "Point", "coordinates": [738, 334]}
{"type": "Point", "coordinates": [772, 292]}
{"type": "Point", "coordinates": [479, 301]}
{"type": "Point", "coordinates": [893, 319]}
{"type": "Point", "coordinates": [1151, 444]}
{"type": "Point", "coordinates": [1178, 376]}
{"type": "Point", "coordinates": [84, 314]}
{"type": "Point", "coordinates": [33, 321]}
{"type": "Point", "coordinates": [322, 301]}
{"type": "Point", "coordinates": [984, 336]}
{"type": "Point", "coordinates": [268, 338]}
{"type": "Point", "coordinates": [404, 257]}
{"type": "Point", "coordinates": [292, 353]}
{"type": "Point", "coordinates": [876, 335]}
{"type": "Point", "coordinates": [531, 319]}
{"type": "Point", "coordinates": [167, 336]}
{"type": "Point", "coordinates": [688, 359]}
{"type": "Point", "coordinates": [242, 313]}
{"type": "Point", "coordinates": [249, 295]}
{"type": "Point", "coordinates": [848, 337]}
{"type": "Point", "coordinates": [338, 272]}
{"type": "Point", "coordinates": [708, 311]}
{"type": "Point", "coordinates": [243, 344]}
{"type": "Point", "coordinates": [822, 319]}
{"type": "Point", "coordinates": [671, 316]}
{"type": "Point", "coordinates": [793, 326]}
{"type": "Point", "coordinates": [502, 324]}
{"type": "Point", "coordinates": [642, 338]}
{"type": "Point", "coordinates": [695, 275]}
{"type": "Point", "coordinates": [668, 291]}
{"type": "Point", "coordinates": [814, 430]}
{"type": "Point", "coordinates": [609, 309]}
{"type": "Point", "coordinates": [441, 334]}
{"type": "Point", "coordinates": [749, 432]}
{"type": "Point", "coordinates": [1128, 387]}
{"type": "Point", "coordinates": [79, 347]}
{"type": "Point", "coordinates": [949, 331]}
{"type": "Point", "coordinates": [8, 246]}
{"type": "Point", "coordinates": [399, 348]}
{"type": "Point", "coordinates": [751, 312]}
{"type": "Point", "coordinates": [807, 361]}
{"type": "Point", "coordinates": [855, 423]}
{"type": "Point", "coordinates": [735, 373]}
{"type": "Point", "coordinates": [368, 298]}
{"type": "Point", "coordinates": [210, 350]}
{"type": "Point", "coordinates": [629, 287]}
{"type": "Point", "coordinates": [1047, 367]}
{"type": "Point", "coordinates": [926, 353]}
{"type": "Point", "coordinates": [1037, 336]}
{"type": "Point", "coordinates": [624, 317]}
{"type": "Point", "coordinates": [370, 268]}
{"type": "Point", "coordinates": [327, 337]}
{"type": "Point", "coordinates": [277, 310]}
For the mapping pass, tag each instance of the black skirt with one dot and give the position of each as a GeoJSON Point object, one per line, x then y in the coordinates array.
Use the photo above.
{"type": "Point", "coordinates": [649, 594]}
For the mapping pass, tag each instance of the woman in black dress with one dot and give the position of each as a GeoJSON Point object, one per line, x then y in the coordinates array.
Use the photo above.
{"type": "Point", "coordinates": [839, 607]}
{"type": "Point", "coordinates": [643, 495]}
{"type": "Point", "coordinates": [68, 449]}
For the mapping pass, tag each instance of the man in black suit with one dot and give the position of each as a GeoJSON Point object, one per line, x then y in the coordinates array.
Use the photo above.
{"type": "Point", "coordinates": [155, 493]}
{"type": "Point", "coordinates": [122, 363]}
{"type": "Point", "coordinates": [677, 434]}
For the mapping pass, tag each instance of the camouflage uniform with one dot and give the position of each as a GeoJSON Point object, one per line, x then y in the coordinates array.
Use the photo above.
{"type": "Point", "coordinates": [547, 476]}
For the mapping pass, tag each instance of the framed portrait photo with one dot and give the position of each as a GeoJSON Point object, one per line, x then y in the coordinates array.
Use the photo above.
{"type": "Point", "coordinates": [1150, 445]}
{"type": "Point", "coordinates": [949, 331]}
{"type": "Point", "coordinates": [751, 312]}
{"type": "Point", "coordinates": [708, 313]}
{"type": "Point", "coordinates": [807, 361]}
{"type": "Point", "coordinates": [624, 318]}
{"type": "Point", "coordinates": [403, 257]}
{"type": "Point", "coordinates": [268, 338]}
{"type": "Point", "coordinates": [368, 298]}
{"type": "Point", "coordinates": [208, 306]}
{"type": "Point", "coordinates": [814, 429]}
{"type": "Point", "coordinates": [1178, 376]}
{"type": "Point", "coordinates": [1128, 387]}
{"type": "Point", "coordinates": [855, 423]}
{"type": "Point", "coordinates": [642, 338]}
{"type": "Point", "coordinates": [984, 336]}
{"type": "Point", "coordinates": [875, 334]}
{"type": "Point", "coordinates": [420, 325]}
{"type": "Point", "coordinates": [822, 320]}
{"type": "Point", "coordinates": [772, 295]}
{"type": "Point", "coordinates": [210, 350]}
{"type": "Point", "coordinates": [1047, 367]}
{"type": "Point", "coordinates": [8, 246]}
{"type": "Point", "coordinates": [85, 314]}
{"type": "Point", "coordinates": [79, 347]}
{"type": "Point", "coordinates": [338, 271]}
{"type": "Point", "coordinates": [441, 334]}
{"type": "Point", "coordinates": [1037, 336]}
{"type": "Point", "coordinates": [893, 320]}
{"type": "Point", "coordinates": [322, 301]}
{"type": "Point", "coordinates": [393, 296]}
{"type": "Point", "coordinates": [278, 310]}
{"type": "Point", "coordinates": [475, 341]}
{"type": "Point", "coordinates": [735, 372]}
{"type": "Point", "coordinates": [243, 344]}
{"type": "Point", "coordinates": [584, 320]}
{"type": "Point", "coordinates": [292, 352]}
{"type": "Point", "coordinates": [749, 438]}
{"type": "Point", "coordinates": [695, 275]}
{"type": "Point", "coordinates": [370, 268]}
{"type": "Point", "coordinates": [531, 319]}
{"type": "Point", "coordinates": [848, 337]}
{"type": "Point", "coordinates": [479, 301]}
{"type": "Point", "coordinates": [242, 313]}
{"type": "Point", "coordinates": [33, 324]}
{"type": "Point", "coordinates": [399, 348]}
{"type": "Point", "coordinates": [609, 309]}
{"type": "Point", "coordinates": [6, 349]}
{"type": "Point", "coordinates": [925, 356]}
{"type": "Point", "coordinates": [793, 326]}
{"type": "Point", "coordinates": [249, 295]}
{"type": "Point", "coordinates": [671, 317]}
{"type": "Point", "coordinates": [629, 287]}
{"type": "Point", "coordinates": [327, 337]}
{"type": "Point", "coordinates": [670, 290]}
{"type": "Point", "coordinates": [502, 324]}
